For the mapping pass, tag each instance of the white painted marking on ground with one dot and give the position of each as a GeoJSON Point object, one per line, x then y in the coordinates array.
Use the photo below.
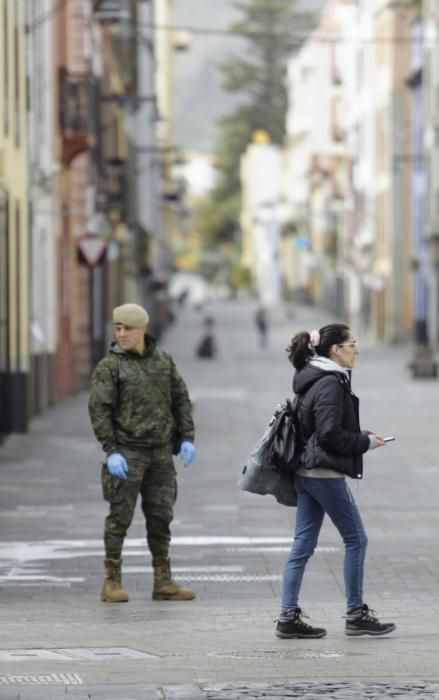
{"type": "Point", "coordinates": [210, 540]}
{"type": "Point", "coordinates": [67, 549]}
{"type": "Point", "coordinates": [10, 583]}
{"type": "Point", "coordinates": [24, 574]}
{"type": "Point", "coordinates": [21, 577]}
{"type": "Point", "coordinates": [20, 561]}
{"type": "Point", "coordinates": [186, 569]}
{"type": "Point", "coordinates": [278, 549]}
{"type": "Point", "coordinates": [230, 578]}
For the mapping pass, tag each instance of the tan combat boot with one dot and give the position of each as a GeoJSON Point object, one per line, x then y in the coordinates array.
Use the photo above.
{"type": "Point", "coordinates": [164, 586]}
{"type": "Point", "coordinates": [112, 591]}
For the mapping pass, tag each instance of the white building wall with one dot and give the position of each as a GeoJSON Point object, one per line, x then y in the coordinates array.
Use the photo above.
{"type": "Point", "coordinates": [261, 176]}
{"type": "Point", "coordinates": [431, 150]}
{"type": "Point", "coordinates": [164, 55]}
{"type": "Point", "coordinates": [41, 171]}
{"type": "Point", "coordinates": [360, 122]}
{"type": "Point", "coordinates": [313, 97]}
{"type": "Point", "coordinates": [148, 156]}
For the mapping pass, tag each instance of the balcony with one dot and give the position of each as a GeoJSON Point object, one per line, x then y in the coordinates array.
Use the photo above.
{"type": "Point", "coordinates": [111, 10]}
{"type": "Point", "coordinates": [112, 193]}
{"type": "Point", "coordinates": [75, 115]}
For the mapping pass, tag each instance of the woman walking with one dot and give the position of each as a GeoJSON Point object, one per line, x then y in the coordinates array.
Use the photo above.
{"type": "Point", "coordinates": [328, 415]}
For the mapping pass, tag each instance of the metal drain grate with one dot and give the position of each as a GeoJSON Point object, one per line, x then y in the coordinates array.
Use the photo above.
{"type": "Point", "coordinates": [285, 653]}
{"type": "Point", "coordinates": [276, 653]}
{"type": "Point", "coordinates": [42, 679]}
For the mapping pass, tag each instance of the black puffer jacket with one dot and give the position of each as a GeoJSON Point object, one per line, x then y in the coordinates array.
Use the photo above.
{"type": "Point", "coordinates": [329, 421]}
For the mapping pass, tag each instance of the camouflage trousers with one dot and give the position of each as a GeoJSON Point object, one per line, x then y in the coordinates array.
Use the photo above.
{"type": "Point", "coordinates": [151, 473]}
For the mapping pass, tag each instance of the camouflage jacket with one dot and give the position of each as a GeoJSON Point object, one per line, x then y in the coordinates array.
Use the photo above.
{"type": "Point", "coordinates": [139, 401]}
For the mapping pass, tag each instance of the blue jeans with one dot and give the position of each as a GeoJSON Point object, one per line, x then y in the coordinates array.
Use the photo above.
{"type": "Point", "coordinates": [315, 497]}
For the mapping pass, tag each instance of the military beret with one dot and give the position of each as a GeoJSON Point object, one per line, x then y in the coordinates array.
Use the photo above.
{"type": "Point", "coordinates": [131, 315]}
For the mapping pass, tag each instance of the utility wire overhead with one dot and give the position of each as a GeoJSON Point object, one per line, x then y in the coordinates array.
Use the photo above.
{"type": "Point", "coordinates": [46, 16]}
{"type": "Point", "coordinates": [300, 37]}
{"type": "Point", "coordinates": [297, 37]}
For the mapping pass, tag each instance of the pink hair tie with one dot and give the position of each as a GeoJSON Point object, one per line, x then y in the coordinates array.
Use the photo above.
{"type": "Point", "coordinates": [314, 339]}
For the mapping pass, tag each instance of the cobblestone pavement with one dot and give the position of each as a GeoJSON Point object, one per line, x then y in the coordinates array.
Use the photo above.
{"type": "Point", "coordinates": [325, 691]}
{"type": "Point", "coordinates": [58, 640]}
{"type": "Point", "coordinates": [245, 691]}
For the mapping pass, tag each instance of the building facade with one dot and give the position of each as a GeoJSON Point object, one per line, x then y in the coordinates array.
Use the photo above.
{"type": "Point", "coordinates": [318, 159]}
{"type": "Point", "coordinates": [261, 181]}
{"type": "Point", "coordinates": [424, 81]}
{"type": "Point", "coordinates": [14, 223]}
{"type": "Point", "coordinates": [41, 171]}
{"type": "Point", "coordinates": [352, 168]}
{"type": "Point", "coordinates": [80, 189]}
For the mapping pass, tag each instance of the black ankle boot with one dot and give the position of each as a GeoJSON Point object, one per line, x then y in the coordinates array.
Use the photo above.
{"type": "Point", "coordinates": [291, 626]}
{"type": "Point", "coordinates": [364, 621]}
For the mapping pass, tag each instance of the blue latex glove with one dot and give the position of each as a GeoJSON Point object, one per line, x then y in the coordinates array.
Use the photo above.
{"type": "Point", "coordinates": [117, 465]}
{"type": "Point", "coordinates": [187, 452]}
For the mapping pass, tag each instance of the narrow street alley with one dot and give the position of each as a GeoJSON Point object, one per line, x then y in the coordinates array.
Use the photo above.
{"type": "Point", "coordinates": [58, 640]}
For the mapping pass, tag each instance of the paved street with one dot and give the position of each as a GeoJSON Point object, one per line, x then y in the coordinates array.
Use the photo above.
{"type": "Point", "coordinates": [58, 640]}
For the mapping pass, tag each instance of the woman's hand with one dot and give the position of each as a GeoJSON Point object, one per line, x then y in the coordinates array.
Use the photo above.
{"type": "Point", "coordinates": [376, 440]}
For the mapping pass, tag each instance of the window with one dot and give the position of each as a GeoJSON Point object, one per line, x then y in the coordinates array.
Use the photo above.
{"type": "Point", "coordinates": [18, 279]}
{"type": "Point", "coordinates": [417, 31]}
{"type": "Point", "coordinates": [16, 10]}
{"type": "Point", "coordinates": [382, 220]}
{"type": "Point", "coordinates": [382, 139]}
{"type": "Point", "coordinates": [4, 281]}
{"type": "Point", "coordinates": [5, 67]}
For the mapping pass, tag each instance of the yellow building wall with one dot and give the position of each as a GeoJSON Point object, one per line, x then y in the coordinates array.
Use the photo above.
{"type": "Point", "coordinates": [14, 174]}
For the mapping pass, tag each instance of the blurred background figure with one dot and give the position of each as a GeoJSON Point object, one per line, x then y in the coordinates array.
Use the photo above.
{"type": "Point", "coordinates": [261, 323]}
{"type": "Point", "coordinates": [207, 348]}
{"type": "Point", "coordinates": [182, 297]}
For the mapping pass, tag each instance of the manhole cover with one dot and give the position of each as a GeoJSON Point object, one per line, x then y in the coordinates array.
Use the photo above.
{"type": "Point", "coordinates": [76, 654]}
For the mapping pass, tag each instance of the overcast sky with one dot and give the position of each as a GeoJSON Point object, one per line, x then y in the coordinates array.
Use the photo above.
{"type": "Point", "coordinates": [199, 99]}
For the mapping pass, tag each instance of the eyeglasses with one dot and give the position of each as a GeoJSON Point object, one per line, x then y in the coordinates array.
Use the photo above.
{"type": "Point", "coordinates": [352, 344]}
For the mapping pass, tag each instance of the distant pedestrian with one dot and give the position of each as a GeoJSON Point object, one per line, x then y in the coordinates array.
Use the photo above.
{"type": "Point", "coordinates": [333, 445]}
{"type": "Point", "coordinates": [183, 297]}
{"type": "Point", "coordinates": [261, 323]}
{"type": "Point", "coordinates": [141, 414]}
{"type": "Point", "coordinates": [207, 348]}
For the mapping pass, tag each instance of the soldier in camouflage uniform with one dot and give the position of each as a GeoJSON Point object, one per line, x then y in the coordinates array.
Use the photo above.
{"type": "Point", "coordinates": [141, 414]}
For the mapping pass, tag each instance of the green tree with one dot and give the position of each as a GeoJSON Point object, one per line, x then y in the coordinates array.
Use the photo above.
{"type": "Point", "coordinates": [267, 26]}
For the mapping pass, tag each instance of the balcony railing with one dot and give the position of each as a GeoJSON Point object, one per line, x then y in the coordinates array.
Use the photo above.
{"type": "Point", "coordinates": [112, 192]}
{"type": "Point", "coordinates": [112, 10]}
{"type": "Point", "coordinates": [76, 117]}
